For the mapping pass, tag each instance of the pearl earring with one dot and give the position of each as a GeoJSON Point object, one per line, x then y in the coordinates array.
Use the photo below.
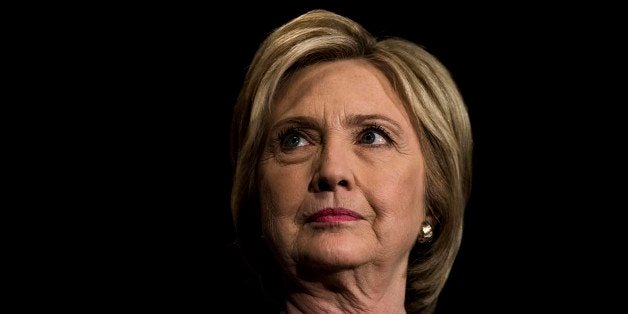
{"type": "Point", "coordinates": [426, 233]}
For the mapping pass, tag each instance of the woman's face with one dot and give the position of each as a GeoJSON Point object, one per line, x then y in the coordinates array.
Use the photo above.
{"type": "Point", "coordinates": [342, 175]}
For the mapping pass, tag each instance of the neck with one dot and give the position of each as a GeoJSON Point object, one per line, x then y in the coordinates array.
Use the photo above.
{"type": "Point", "coordinates": [363, 290]}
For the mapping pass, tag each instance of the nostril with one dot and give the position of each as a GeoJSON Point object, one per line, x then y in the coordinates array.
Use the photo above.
{"type": "Point", "coordinates": [323, 186]}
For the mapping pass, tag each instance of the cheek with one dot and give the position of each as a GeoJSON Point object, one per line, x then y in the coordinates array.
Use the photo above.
{"type": "Point", "coordinates": [281, 193]}
{"type": "Point", "coordinates": [401, 193]}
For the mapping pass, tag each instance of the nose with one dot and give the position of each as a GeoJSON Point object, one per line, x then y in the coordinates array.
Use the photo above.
{"type": "Point", "coordinates": [333, 170]}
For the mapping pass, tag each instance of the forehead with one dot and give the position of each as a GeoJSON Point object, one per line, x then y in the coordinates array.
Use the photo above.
{"type": "Point", "coordinates": [348, 86]}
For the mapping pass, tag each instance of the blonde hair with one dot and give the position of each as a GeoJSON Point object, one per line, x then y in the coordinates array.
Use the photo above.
{"type": "Point", "coordinates": [431, 99]}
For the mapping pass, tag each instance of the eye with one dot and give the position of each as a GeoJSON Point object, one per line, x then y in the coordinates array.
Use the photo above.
{"type": "Point", "coordinates": [292, 140]}
{"type": "Point", "coordinates": [373, 136]}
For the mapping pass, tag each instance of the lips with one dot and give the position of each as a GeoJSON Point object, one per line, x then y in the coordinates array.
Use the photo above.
{"type": "Point", "coordinates": [334, 215]}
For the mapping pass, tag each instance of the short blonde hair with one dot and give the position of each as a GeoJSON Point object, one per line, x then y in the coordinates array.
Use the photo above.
{"type": "Point", "coordinates": [431, 100]}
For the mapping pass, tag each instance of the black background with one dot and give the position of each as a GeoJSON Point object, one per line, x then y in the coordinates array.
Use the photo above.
{"type": "Point", "coordinates": [156, 86]}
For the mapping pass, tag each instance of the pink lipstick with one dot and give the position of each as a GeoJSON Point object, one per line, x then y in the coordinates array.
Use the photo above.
{"type": "Point", "coordinates": [334, 215]}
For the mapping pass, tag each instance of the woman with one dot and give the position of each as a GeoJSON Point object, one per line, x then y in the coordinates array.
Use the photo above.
{"type": "Point", "coordinates": [352, 169]}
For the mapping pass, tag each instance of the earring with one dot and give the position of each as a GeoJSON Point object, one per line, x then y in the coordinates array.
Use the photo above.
{"type": "Point", "coordinates": [426, 233]}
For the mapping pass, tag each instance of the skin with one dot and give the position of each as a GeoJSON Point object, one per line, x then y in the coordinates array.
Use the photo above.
{"type": "Point", "coordinates": [341, 138]}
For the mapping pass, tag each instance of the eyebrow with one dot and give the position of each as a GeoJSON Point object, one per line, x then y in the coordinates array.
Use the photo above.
{"type": "Point", "coordinates": [303, 121]}
{"type": "Point", "coordinates": [352, 120]}
{"type": "Point", "coordinates": [360, 119]}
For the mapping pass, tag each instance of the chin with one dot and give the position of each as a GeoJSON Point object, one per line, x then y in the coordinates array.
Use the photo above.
{"type": "Point", "coordinates": [335, 251]}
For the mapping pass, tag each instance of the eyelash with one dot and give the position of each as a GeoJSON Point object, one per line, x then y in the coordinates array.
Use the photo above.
{"type": "Point", "coordinates": [283, 133]}
{"type": "Point", "coordinates": [379, 129]}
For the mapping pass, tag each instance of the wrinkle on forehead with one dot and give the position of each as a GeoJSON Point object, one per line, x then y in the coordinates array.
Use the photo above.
{"type": "Point", "coordinates": [338, 88]}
